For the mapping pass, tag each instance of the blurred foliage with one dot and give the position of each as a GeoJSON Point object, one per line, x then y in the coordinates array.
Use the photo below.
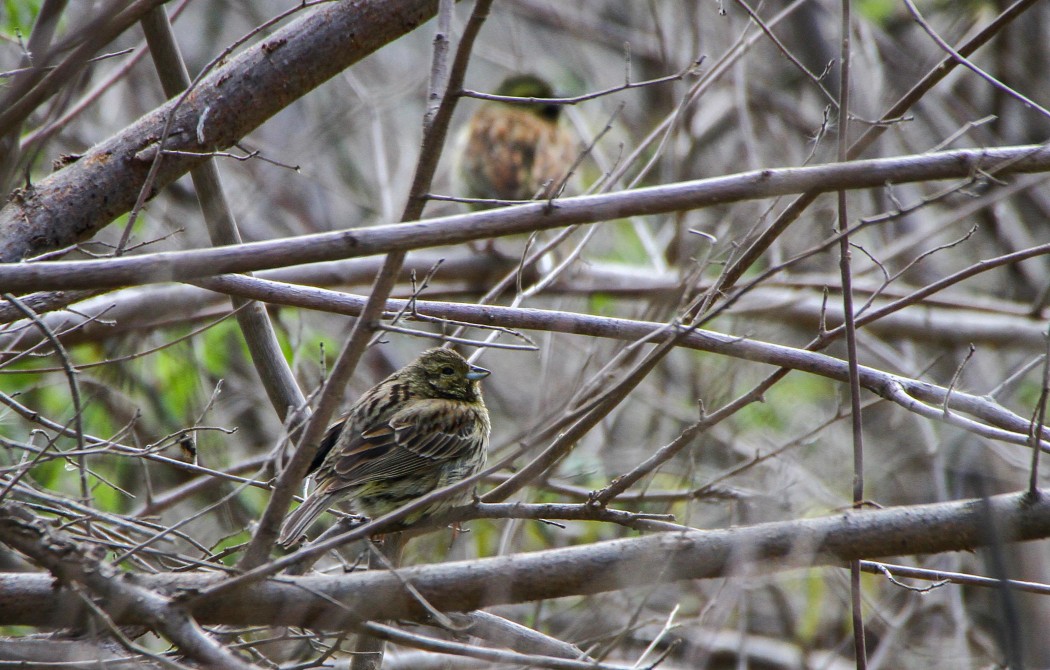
{"type": "Point", "coordinates": [18, 17]}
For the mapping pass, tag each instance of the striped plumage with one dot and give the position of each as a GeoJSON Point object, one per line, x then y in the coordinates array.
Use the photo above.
{"type": "Point", "coordinates": [421, 428]}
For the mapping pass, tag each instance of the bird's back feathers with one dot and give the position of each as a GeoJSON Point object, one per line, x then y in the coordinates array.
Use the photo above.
{"type": "Point", "coordinates": [420, 429]}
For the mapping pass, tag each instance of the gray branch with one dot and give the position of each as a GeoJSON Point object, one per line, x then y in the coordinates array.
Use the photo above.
{"type": "Point", "coordinates": [400, 237]}
{"type": "Point", "coordinates": [334, 602]}
{"type": "Point", "coordinates": [119, 595]}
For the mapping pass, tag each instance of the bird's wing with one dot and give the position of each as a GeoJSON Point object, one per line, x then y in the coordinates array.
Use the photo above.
{"type": "Point", "coordinates": [413, 439]}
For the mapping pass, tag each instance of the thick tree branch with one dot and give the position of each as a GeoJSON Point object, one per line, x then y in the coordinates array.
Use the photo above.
{"type": "Point", "coordinates": [331, 603]}
{"type": "Point", "coordinates": [76, 202]}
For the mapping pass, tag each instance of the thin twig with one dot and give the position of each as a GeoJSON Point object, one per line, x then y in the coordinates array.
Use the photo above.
{"type": "Point", "coordinates": [1038, 422]}
{"type": "Point", "coordinates": [74, 388]}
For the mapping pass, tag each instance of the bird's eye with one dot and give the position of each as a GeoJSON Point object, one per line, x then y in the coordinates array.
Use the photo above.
{"type": "Point", "coordinates": [447, 370]}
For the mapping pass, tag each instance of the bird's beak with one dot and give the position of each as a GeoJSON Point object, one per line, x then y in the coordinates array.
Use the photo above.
{"type": "Point", "coordinates": [477, 373]}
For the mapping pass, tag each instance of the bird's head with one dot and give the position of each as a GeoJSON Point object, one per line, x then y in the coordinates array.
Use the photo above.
{"type": "Point", "coordinates": [442, 373]}
{"type": "Point", "coordinates": [530, 86]}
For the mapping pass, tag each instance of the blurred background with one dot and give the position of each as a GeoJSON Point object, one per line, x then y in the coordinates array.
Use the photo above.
{"type": "Point", "coordinates": [164, 370]}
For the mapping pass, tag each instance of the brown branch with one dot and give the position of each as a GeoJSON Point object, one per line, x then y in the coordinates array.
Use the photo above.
{"type": "Point", "coordinates": [236, 98]}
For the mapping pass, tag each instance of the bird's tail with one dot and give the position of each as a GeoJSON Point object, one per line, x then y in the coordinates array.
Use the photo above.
{"type": "Point", "coordinates": [299, 520]}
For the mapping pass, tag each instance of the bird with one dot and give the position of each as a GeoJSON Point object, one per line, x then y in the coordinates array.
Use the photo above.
{"type": "Point", "coordinates": [514, 150]}
{"type": "Point", "coordinates": [420, 429]}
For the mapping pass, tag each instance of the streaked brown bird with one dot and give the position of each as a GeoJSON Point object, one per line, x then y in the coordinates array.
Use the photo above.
{"type": "Point", "coordinates": [420, 429]}
{"type": "Point", "coordinates": [515, 150]}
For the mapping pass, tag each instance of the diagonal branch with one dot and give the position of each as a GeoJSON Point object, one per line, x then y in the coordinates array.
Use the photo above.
{"type": "Point", "coordinates": [252, 86]}
{"type": "Point", "coordinates": [119, 596]}
{"type": "Point", "coordinates": [266, 355]}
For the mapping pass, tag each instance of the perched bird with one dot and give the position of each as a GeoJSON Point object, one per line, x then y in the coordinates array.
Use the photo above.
{"type": "Point", "coordinates": [420, 429]}
{"type": "Point", "coordinates": [515, 150]}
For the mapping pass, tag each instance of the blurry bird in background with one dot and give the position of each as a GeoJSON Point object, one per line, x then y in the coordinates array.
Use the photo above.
{"type": "Point", "coordinates": [515, 150]}
{"type": "Point", "coordinates": [420, 429]}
